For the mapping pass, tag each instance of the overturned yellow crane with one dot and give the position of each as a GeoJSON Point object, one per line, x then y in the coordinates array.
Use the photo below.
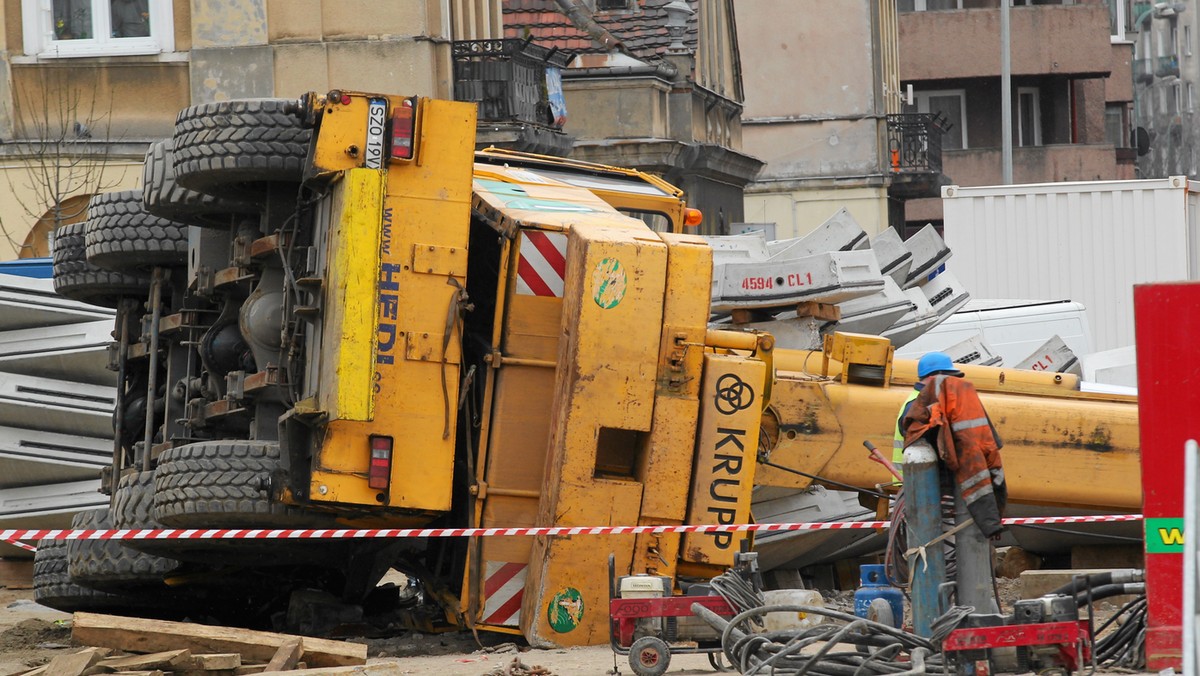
{"type": "Point", "coordinates": [363, 322]}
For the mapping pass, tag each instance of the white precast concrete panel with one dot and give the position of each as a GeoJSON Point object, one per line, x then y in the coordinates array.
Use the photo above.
{"type": "Point", "coordinates": [1087, 241]}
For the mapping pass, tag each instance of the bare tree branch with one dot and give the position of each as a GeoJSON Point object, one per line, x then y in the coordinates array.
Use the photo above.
{"type": "Point", "coordinates": [65, 144]}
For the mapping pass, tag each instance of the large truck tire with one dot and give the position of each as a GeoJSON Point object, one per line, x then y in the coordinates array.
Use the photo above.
{"type": "Point", "coordinates": [221, 484]}
{"type": "Point", "coordinates": [133, 502]}
{"type": "Point", "coordinates": [120, 235]}
{"type": "Point", "coordinates": [77, 279]}
{"type": "Point", "coordinates": [133, 507]}
{"type": "Point", "coordinates": [108, 565]}
{"type": "Point", "coordinates": [52, 585]}
{"type": "Point", "coordinates": [229, 144]}
{"type": "Point", "coordinates": [163, 196]}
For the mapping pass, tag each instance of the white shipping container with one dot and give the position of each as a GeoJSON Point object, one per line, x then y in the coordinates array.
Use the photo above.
{"type": "Point", "coordinates": [1087, 241]}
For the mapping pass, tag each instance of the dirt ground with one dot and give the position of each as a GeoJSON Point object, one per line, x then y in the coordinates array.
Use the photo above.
{"type": "Point", "coordinates": [31, 635]}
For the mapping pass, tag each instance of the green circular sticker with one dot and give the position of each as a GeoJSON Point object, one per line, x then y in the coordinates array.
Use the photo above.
{"type": "Point", "coordinates": [565, 611]}
{"type": "Point", "coordinates": [610, 282]}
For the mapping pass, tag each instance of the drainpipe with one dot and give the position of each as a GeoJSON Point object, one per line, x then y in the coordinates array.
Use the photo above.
{"type": "Point", "coordinates": [1006, 94]}
{"type": "Point", "coordinates": [579, 15]}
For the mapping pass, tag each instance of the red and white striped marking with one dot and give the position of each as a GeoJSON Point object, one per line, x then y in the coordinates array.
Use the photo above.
{"type": "Point", "coordinates": [542, 264]}
{"type": "Point", "coordinates": [503, 589]}
{"type": "Point", "coordinates": [353, 533]}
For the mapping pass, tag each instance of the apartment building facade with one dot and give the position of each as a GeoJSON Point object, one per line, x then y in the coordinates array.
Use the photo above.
{"type": "Point", "coordinates": [824, 110]}
{"type": "Point", "coordinates": [101, 79]}
{"type": "Point", "coordinates": [1072, 90]}
{"type": "Point", "coordinates": [656, 85]}
{"type": "Point", "coordinates": [1166, 71]}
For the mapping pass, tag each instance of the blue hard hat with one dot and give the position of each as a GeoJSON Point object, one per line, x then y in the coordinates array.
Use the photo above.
{"type": "Point", "coordinates": [936, 362]}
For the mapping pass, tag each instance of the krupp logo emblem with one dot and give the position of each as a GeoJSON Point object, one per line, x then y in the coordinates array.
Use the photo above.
{"type": "Point", "coordinates": [733, 394]}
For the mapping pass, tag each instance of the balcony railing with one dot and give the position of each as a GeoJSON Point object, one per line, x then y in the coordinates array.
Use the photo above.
{"type": "Point", "coordinates": [1167, 66]}
{"type": "Point", "coordinates": [915, 143]}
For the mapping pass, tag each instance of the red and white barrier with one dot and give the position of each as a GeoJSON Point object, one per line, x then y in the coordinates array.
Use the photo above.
{"type": "Point", "coordinates": [12, 536]}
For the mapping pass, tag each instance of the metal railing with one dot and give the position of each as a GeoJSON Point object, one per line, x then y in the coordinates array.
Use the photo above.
{"type": "Point", "coordinates": [915, 142]}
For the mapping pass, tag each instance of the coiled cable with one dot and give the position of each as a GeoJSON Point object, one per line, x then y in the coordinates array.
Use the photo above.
{"type": "Point", "coordinates": [882, 650]}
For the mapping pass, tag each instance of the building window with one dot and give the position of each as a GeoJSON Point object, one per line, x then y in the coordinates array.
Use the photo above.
{"type": "Point", "coordinates": [613, 5]}
{"type": "Point", "coordinates": [1116, 131]}
{"type": "Point", "coordinates": [78, 28]}
{"type": "Point", "coordinates": [927, 5]}
{"type": "Point", "coordinates": [1028, 118]}
{"type": "Point", "coordinates": [1118, 19]}
{"type": "Point", "coordinates": [1191, 97]}
{"type": "Point", "coordinates": [1187, 40]}
{"type": "Point", "coordinates": [952, 105]}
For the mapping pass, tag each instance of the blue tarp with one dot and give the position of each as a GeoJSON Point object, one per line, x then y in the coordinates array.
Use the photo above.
{"type": "Point", "coordinates": [39, 268]}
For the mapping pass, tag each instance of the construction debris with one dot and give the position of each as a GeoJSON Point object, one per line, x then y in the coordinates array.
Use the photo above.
{"type": "Point", "coordinates": [186, 649]}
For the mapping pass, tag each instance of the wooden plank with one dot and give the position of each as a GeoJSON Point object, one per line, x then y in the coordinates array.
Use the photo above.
{"type": "Point", "coordinates": [140, 635]}
{"type": "Point", "coordinates": [16, 573]}
{"type": "Point", "coordinates": [144, 672]}
{"type": "Point", "coordinates": [287, 656]}
{"type": "Point", "coordinates": [36, 671]}
{"type": "Point", "coordinates": [213, 662]}
{"type": "Point", "coordinates": [246, 669]}
{"type": "Point", "coordinates": [823, 311]}
{"type": "Point", "coordinates": [168, 660]}
{"type": "Point", "coordinates": [74, 664]}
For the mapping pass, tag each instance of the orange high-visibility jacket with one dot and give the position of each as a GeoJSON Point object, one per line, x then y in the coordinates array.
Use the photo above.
{"type": "Point", "coordinates": [950, 415]}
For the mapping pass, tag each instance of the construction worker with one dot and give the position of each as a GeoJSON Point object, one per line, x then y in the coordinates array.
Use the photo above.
{"type": "Point", "coordinates": [930, 364]}
{"type": "Point", "coordinates": [948, 413]}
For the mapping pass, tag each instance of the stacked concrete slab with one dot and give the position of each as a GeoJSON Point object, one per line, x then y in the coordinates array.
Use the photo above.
{"type": "Point", "coordinates": [56, 404]}
{"type": "Point", "coordinates": [881, 285]}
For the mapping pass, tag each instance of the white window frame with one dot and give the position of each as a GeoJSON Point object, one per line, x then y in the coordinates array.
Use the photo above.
{"type": "Point", "coordinates": [1119, 34]}
{"type": "Point", "coordinates": [37, 19]}
{"type": "Point", "coordinates": [922, 103]}
{"type": "Point", "coordinates": [1037, 117]}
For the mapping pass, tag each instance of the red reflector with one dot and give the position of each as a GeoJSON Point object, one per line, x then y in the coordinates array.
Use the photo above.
{"type": "Point", "coordinates": [403, 118]}
{"type": "Point", "coordinates": [379, 471]}
{"type": "Point", "coordinates": [345, 99]}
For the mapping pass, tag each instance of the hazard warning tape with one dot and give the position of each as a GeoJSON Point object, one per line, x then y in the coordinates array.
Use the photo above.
{"type": "Point", "coordinates": [12, 536]}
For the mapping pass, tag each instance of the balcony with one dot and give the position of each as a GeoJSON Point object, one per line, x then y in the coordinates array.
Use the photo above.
{"type": "Point", "coordinates": [1071, 40]}
{"type": "Point", "coordinates": [915, 155]}
{"type": "Point", "coordinates": [1166, 66]}
{"type": "Point", "coordinates": [1143, 70]}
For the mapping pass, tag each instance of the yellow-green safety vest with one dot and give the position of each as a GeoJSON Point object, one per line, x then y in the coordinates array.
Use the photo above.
{"type": "Point", "coordinates": [898, 439]}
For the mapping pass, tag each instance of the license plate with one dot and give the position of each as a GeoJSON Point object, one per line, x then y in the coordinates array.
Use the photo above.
{"type": "Point", "coordinates": [376, 121]}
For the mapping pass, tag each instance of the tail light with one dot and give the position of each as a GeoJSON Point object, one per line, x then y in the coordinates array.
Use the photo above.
{"type": "Point", "coordinates": [403, 123]}
{"type": "Point", "coordinates": [379, 474]}
{"type": "Point", "coordinates": [692, 217]}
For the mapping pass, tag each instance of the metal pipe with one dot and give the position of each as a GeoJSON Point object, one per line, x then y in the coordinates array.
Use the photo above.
{"type": "Point", "coordinates": [522, 361]}
{"type": "Point", "coordinates": [923, 515]}
{"type": "Point", "coordinates": [732, 340]}
{"type": "Point", "coordinates": [973, 554]}
{"type": "Point", "coordinates": [152, 379]}
{"type": "Point", "coordinates": [1006, 92]}
{"type": "Point", "coordinates": [124, 310]}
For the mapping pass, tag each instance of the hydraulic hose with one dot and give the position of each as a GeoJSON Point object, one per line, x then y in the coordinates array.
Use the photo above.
{"type": "Point", "coordinates": [881, 648]}
{"type": "Point", "coordinates": [1094, 580]}
{"type": "Point", "coordinates": [1107, 590]}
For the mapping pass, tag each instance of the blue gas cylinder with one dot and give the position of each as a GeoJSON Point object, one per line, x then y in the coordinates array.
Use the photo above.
{"type": "Point", "coordinates": [875, 587]}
